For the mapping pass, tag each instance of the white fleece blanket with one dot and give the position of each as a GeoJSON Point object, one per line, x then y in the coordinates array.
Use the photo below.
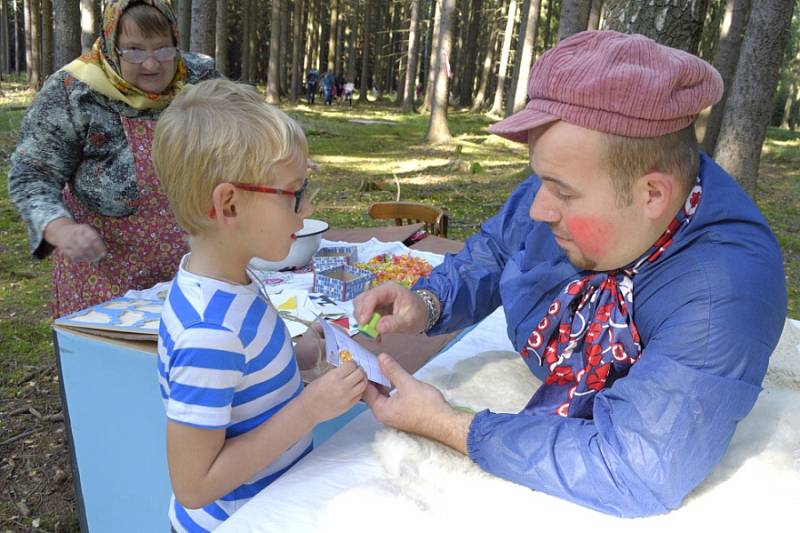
{"type": "Point", "coordinates": [428, 487]}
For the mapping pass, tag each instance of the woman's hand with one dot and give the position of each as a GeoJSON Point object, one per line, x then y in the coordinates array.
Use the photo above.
{"type": "Point", "coordinates": [78, 242]}
{"type": "Point", "coordinates": [334, 392]}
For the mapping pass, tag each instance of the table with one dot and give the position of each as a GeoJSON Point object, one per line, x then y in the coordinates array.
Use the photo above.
{"type": "Point", "coordinates": [116, 423]}
{"type": "Point", "coordinates": [344, 486]}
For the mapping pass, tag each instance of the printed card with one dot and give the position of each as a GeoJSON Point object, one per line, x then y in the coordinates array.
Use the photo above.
{"type": "Point", "coordinates": [339, 347]}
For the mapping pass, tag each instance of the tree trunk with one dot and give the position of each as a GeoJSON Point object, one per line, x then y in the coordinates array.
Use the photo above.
{"type": "Point", "coordinates": [595, 14]}
{"type": "Point", "coordinates": [67, 32]}
{"type": "Point", "coordinates": [202, 26]}
{"type": "Point", "coordinates": [524, 57]}
{"type": "Point", "coordinates": [221, 54]}
{"type": "Point", "coordinates": [273, 82]}
{"type": "Point", "coordinates": [244, 74]}
{"type": "Point", "coordinates": [548, 27]}
{"type": "Point", "coordinates": [471, 47]}
{"type": "Point", "coordinates": [284, 43]}
{"type": "Point", "coordinates": [411, 59]}
{"type": "Point", "coordinates": [438, 130]}
{"type": "Point", "coordinates": [47, 38]}
{"type": "Point", "coordinates": [338, 58]}
{"type": "Point", "coordinates": [19, 37]}
{"type": "Point", "coordinates": [297, 49]}
{"type": "Point", "coordinates": [252, 42]}
{"type": "Point", "coordinates": [185, 23]}
{"type": "Point", "coordinates": [574, 17]}
{"type": "Point", "coordinates": [486, 70]}
{"type": "Point", "coordinates": [725, 61]}
{"type": "Point", "coordinates": [35, 77]}
{"type": "Point", "coordinates": [502, 70]}
{"type": "Point", "coordinates": [334, 21]}
{"type": "Point", "coordinates": [747, 114]}
{"type": "Point", "coordinates": [27, 21]}
{"type": "Point", "coordinates": [90, 23]}
{"type": "Point", "coordinates": [4, 51]}
{"type": "Point", "coordinates": [431, 59]}
{"type": "Point", "coordinates": [362, 89]}
{"type": "Point", "coordinates": [675, 23]}
{"type": "Point", "coordinates": [351, 53]}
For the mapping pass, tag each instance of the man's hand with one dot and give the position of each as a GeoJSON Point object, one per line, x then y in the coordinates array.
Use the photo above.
{"type": "Point", "coordinates": [417, 407]}
{"type": "Point", "coordinates": [78, 242]}
{"type": "Point", "coordinates": [402, 311]}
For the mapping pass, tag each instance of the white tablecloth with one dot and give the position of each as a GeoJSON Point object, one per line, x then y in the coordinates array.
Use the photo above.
{"type": "Point", "coordinates": [756, 485]}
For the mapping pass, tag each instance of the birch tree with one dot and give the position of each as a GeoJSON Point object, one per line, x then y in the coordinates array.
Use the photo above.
{"type": "Point", "coordinates": [675, 23]}
{"type": "Point", "coordinates": [725, 61]}
{"type": "Point", "coordinates": [574, 17]}
{"type": "Point", "coordinates": [502, 70]}
{"type": "Point", "coordinates": [411, 59]}
{"type": "Point", "coordinates": [67, 32]}
{"type": "Point", "coordinates": [747, 113]}
{"type": "Point", "coordinates": [438, 129]}
{"type": "Point", "coordinates": [524, 56]}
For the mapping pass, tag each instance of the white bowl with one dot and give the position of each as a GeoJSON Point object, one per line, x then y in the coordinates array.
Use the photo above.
{"type": "Point", "coordinates": [302, 250]}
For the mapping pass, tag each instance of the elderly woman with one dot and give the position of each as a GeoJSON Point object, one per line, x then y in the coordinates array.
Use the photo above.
{"type": "Point", "coordinates": [81, 176]}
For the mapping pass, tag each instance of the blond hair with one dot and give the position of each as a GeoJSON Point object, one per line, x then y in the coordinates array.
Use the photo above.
{"type": "Point", "coordinates": [215, 132]}
{"type": "Point", "coordinates": [630, 158]}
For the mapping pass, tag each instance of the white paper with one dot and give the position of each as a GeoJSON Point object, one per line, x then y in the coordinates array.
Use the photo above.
{"type": "Point", "coordinates": [336, 340]}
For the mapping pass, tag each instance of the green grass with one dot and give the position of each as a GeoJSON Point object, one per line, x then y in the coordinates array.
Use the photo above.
{"type": "Point", "coordinates": [360, 164]}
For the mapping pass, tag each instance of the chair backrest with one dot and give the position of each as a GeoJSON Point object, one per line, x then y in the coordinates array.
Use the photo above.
{"type": "Point", "coordinates": [435, 218]}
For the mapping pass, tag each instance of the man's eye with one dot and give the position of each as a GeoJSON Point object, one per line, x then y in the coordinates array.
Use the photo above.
{"type": "Point", "coordinates": [563, 195]}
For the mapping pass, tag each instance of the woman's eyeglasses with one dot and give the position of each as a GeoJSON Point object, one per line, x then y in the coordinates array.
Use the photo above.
{"type": "Point", "coordinates": [137, 56]}
{"type": "Point", "coordinates": [298, 194]}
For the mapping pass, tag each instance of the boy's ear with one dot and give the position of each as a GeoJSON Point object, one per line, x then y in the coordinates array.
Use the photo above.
{"type": "Point", "coordinates": [225, 199]}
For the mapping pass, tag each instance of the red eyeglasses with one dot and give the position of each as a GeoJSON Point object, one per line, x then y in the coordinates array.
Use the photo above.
{"type": "Point", "coordinates": [298, 194]}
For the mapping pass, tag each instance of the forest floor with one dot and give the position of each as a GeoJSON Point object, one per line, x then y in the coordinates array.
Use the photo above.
{"type": "Point", "coordinates": [366, 154]}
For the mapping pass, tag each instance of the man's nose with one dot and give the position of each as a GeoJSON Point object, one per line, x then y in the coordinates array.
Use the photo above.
{"type": "Point", "coordinates": [543, 207]}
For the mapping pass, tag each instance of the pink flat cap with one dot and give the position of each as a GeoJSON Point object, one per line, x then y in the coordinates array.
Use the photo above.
{"type": "Point", "coordinates": [616, 83]}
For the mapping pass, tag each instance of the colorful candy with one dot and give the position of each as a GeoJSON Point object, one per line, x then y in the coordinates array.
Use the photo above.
{"type": "Point", "coordinates": [403, 269]}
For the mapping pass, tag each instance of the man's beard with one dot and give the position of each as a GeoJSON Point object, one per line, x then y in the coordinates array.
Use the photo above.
{"type": "Point", "coordinates": [579, 260]}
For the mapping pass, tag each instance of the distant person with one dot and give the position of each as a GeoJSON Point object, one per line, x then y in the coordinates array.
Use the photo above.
{"type": "Point", "coordinates": [81, 176]}
{"type": "Point", "coordinates": [340, 87]}
{"type": "Point", "coordinates": [328, 87]}
{"type": "Point", "coordinates": [312, 83]}
{"type": "Point", "coordinates": [238, 415]}
{"type": "Point", "coordinates": [349, 88]}
{"type": "Point", "coordinates": [639, 282]}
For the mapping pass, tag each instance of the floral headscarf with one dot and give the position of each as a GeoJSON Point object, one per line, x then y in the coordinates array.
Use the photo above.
{"type": "Point", "coordinates": [100, 70]}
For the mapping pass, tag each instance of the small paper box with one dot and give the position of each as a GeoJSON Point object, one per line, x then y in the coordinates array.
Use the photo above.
{"type": "Point", "coordinates": [343, 282]}
{"type": "Point", "coordinates": [333, 256]}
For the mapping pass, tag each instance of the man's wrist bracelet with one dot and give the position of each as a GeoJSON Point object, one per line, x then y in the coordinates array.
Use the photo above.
{"type": "Point", "coordinates": [432, 305]}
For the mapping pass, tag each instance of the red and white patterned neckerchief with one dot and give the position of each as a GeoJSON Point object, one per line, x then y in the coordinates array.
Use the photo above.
{"type": "Point", "coordinates": [588, 337]}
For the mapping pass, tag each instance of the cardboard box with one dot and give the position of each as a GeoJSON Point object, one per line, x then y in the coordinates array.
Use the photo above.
{"type": "Point", "coordinates": [333, 256]}
{"type": "Point", "coordinates": [343, 282]}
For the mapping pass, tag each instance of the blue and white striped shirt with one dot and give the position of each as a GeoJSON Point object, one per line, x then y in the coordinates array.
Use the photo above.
{"type": "Point", "coordinates": [225, 360]}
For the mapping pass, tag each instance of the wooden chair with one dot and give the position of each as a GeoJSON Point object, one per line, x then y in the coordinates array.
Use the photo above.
{"type": "Point", "coordinates": [435, 219]}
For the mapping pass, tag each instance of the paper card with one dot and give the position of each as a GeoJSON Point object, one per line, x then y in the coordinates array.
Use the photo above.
{"type": "Point", "coordinates": [339, 344]}
{"type": "Point", "coordinates": [323, 305]}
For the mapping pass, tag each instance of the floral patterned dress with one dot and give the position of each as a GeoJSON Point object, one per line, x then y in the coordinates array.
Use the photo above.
{"type": "Point", "coordinates": [86, 157]}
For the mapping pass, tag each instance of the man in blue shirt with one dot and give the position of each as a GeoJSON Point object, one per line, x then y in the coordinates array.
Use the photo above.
{"type": "Point", "coordinates": [639, 283]}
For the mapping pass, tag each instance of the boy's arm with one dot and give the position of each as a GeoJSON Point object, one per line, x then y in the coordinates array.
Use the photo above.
{"type": "Point", "coordinates": [204, 466]}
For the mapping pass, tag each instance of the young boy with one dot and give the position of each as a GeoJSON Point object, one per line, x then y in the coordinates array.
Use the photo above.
{"type": "Point", "coordinates": [238, 416]}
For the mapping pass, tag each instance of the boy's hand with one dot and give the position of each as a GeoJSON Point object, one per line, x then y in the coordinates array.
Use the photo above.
{"type": "Point", "coordinates": [335, 392]}
{"type": "Point", "coordinates": [402, 311]}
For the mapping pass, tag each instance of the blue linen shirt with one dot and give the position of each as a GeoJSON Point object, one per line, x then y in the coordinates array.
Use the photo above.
{"type": "Point", "coordinates": [709, 312]}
